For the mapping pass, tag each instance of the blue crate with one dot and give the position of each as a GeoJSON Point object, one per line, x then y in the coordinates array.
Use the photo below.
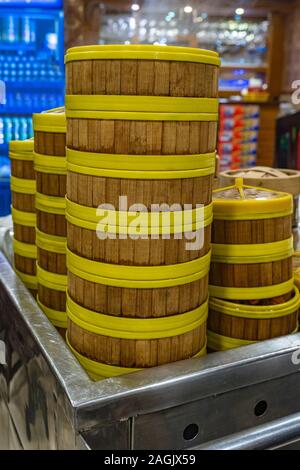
{"type": "Point", "coordinates": [5, 195]}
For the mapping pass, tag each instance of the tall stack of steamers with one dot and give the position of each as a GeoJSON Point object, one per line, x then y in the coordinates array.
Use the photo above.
{"type": "Point", "coordinates": [141, 123]}
{"type": "Point", "coordinates": [124, 217]}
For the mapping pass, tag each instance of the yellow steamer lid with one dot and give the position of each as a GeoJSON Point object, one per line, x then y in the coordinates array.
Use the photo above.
{"type": "Point", "coordinates": [53, 120]}
{"type": "Point", "coordinates": [143, 52]}
{"type": "Point", "coordinates": [243, 202]}
{"type": "Point", "coordinates": [277, 179]}
{"type": "Point", "coordinates": [17, 146]}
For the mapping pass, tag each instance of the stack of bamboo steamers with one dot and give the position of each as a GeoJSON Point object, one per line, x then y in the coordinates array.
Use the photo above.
{"type": "Point", "coordinates": [51, 170]}
{"type": "Point", "coordinates": [252, 294]}
{"type": "Point", "coordinates": [113, 211]}
{"type": "Point", "coordinates": [23, 187]}
{"type": "Point", "coordinates": [141, 123]}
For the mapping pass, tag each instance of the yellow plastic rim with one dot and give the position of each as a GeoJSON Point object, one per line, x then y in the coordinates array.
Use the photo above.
{"type": "Point", "coordinates": [146, 223]}
{"type": "Point", "coordinates": [136, 328]}
{"type": "Point", "coordinates": [251, 293]}
{"type": "Point", "coordinates": [138, 277]}
{"type": "Point", "coordinates": [53, 120]}
{"type": "Point", "coordinates": [22, 156]}
{"type": "Point", "coordinates": [24, 249]}
{"type": "Point", "coordinates": [139, 273]}
{"type": "Point", "coordinates": [256, 312]}
{"type": "Point", "coordinates": [141, 162]}
{"type": "Point", "coordinates": [251, 209]}
{"type": "Point", "coordinates": [120, 115]}
{"type": "Point", "coordinates": [143, 52]}
{"type": "Point", "coordinates": [51, 280]}
{"type": "Point", "coordinates": [218, 342]}
{"type": "Point", "coordinates": [141, 104]}
{"type": "Point", "coordinates": [50, 204]}
{"type": "Point", "coordinates": [140, 48]}
{"type": "Point", "coordinates": [52, 243]}
{"type": "Point", "coordinates": [56, 317]}
{"type": "Point", "coordinates": [29, 280]}
{"type": "Point", "coordinates": [28, 219]}
{"type": "Point", "coordinates": [144, 175]}
{"type": "Point", "coordinates": [252, 253]}
{"type": "Point", "coordinates": [139, 230]}
{"type": "Point", "coordinates": [50, 164]}
{"type": "Point", "coordinates": [98, 370]}
{"type": "Point", "coordinates": [17, 146]}
{"type": "Point", "coordinates": [23, 186]}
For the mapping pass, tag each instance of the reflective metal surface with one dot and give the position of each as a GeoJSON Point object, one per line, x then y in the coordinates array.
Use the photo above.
{"type": "Point", "coordinates": [281, 432]}
{"type": "Point", "coordinates": [48, 402]}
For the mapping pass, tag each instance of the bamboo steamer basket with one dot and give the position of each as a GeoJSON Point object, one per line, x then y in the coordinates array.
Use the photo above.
{"type": "Point", "coordinates": [278, 179]}
{"type": "Point", "coordinates": [142, 70]}
{"type": "Point", "coordinates": [252, 243]}
{"type": "Point", "coordinates": [23, 211]}
{"type": "Point", "coordinates": [231, 325]}
{"type": "Point", "coordinates": [154, 144]}
{"type": "Point", "coordinates": [51, 168]}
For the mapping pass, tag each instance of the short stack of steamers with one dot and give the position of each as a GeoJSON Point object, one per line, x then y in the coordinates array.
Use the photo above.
{"type": "Point", "coordinates": [252, 292]}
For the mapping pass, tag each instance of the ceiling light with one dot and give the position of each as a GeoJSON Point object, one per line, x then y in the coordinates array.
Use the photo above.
{"type": "Point", "coordinates": [171, 14]}
{"type": "Point", "coordinates": [239, 11]}
{"type": "Point", "coordinates": [188, 9]}
{"type": "Point", "coordinates": [135, 7]}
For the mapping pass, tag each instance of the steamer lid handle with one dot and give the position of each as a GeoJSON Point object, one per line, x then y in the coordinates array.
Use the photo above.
{"type": "Point", "coordinates": [239, 183]}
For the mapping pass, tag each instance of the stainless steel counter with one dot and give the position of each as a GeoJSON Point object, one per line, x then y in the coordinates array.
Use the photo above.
{"type": "Point", "coordinates": [248, 397]}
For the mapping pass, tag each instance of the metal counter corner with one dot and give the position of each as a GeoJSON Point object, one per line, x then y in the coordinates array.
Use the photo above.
{"type": "Point", "coordinates": [48, 402]}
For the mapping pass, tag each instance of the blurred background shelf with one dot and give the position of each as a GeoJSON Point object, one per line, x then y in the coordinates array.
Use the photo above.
{"type": "Point", "coordinates": [31, 64]}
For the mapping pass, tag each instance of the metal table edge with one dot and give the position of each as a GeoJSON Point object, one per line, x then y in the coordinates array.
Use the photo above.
{"type": "Point", "coordinates": [145, 391]}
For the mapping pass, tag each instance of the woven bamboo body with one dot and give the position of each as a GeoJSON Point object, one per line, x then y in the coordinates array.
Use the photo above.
{"type": "Point", "coordinates": [24, 234]}
{"type": "Point", "coordinates": [140, 137]}
{"type": "Point", "coordinates": [139, 252]}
